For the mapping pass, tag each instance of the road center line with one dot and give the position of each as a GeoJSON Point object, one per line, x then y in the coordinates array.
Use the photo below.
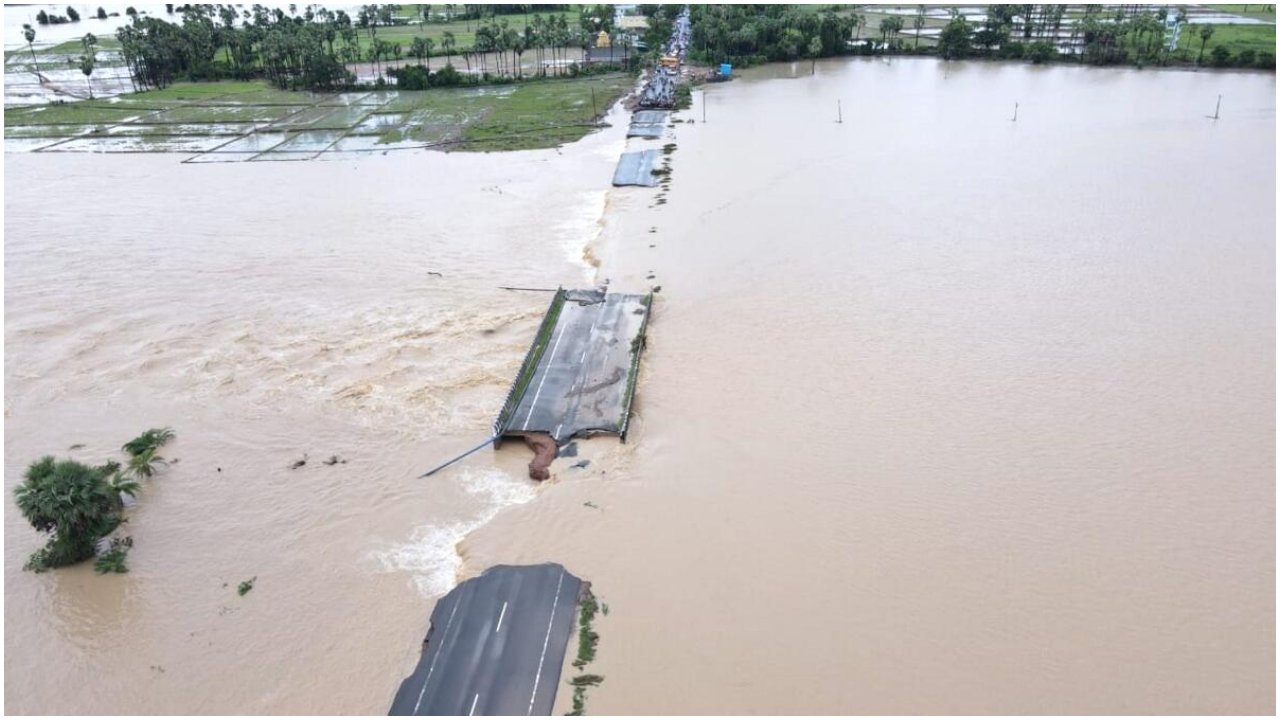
{"type": "Point", "coordinates": [545, 641]}
{"type": "Point", "coordinates": [500, 616]}
{"type": "Point", "coordinates": [550, 359]}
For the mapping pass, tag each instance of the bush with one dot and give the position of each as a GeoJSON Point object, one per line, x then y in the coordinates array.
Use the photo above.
{"type": "Point", "coordinates": [113, 560]}
{"type": "Point", "coordinates": [1041, 52]}
{"type": "Point", "coordinates": [73, 503]}
{"type": "Point", "coordinates": [411, 77]}
{"type": "Point", "coordinates": [72, 14]}
{"type": "Point", "coordinates": [447, 76]}
{"type": "Point", "coordinates": [1013, 50]}
{"type": "Point", "coordinates": [1221, 56]}
{"type": "Point", "coordinates": [1247, 58]}
{"type": "Point", "coordinates": [102, 14]}
{"type": "Point", "coordinates": [1266, 61]}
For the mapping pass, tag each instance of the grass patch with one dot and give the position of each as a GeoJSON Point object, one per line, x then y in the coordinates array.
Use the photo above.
{"type": "Point", "coordinates": [545, 113]}
{"type": "Point", "coordinates": [76, 113]}
{"type": "Point", "coordinates": [1259, 38]}
{"type": "Point", "coordinates": [587, 636]}
{"type": "Point", "coordinates": [1260, 12]}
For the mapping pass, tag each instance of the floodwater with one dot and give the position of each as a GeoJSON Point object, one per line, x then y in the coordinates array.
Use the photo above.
{"type": "Point", "coordinates": [940, 413]}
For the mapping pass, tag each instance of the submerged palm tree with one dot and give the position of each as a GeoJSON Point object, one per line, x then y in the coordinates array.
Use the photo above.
{"type": "Point", "coordinates": [145, 463]}
{"type": "Point", "coordinates": [149, 440]}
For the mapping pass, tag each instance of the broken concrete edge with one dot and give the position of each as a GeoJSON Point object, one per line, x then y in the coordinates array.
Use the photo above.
{"type": "Point", "coordinates": [529, 366]}
{"type": "Point", "coordinates": [584, 595]}
{"type": "Point", "coordinates": [634, 372]}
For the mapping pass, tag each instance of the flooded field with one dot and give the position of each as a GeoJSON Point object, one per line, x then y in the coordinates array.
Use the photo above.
{"type": "Point", "coordinates": [939, 412]}
{"type": "Point", "coordinates": [242, 121]}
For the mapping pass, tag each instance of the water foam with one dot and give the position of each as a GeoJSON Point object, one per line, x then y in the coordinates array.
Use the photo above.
{"type": "Point", "coordinates": [431, 554]}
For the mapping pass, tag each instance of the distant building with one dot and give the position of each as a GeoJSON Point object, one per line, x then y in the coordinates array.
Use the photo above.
{"type": "Point", "coordinates": [633, 22]}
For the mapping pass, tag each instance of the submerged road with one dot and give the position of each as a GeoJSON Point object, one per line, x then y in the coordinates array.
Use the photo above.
{"type": "Point", "coordinates": [495, 646]}
{"type": "Point", "coordinates": [581, 382]}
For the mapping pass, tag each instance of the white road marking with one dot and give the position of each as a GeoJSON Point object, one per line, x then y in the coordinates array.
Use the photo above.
{"type": "Point", "coordinates": [552, 621]}
{"type": "Point", "coordinates": [500, 616]}
{"type": "Point", "coordinates": [474, 700]}
{"type": "Point", "coordinates": [432, 669]}
{"type": "Point", "coordinates": [554, 347]}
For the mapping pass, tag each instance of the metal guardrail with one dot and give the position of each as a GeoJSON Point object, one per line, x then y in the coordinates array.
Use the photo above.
{"type": "Point", "coordinates": [531, 359]}
{"type": "Point", "coordinates": [633, 373]}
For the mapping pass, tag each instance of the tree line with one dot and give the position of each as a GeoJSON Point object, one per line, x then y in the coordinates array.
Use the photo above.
{"type": "Point", "coordinates": [1103, 35]}
{"type": "Point", "coordinates": [311, 50]}
{"type": "Point", "coordinates": [751, 34]}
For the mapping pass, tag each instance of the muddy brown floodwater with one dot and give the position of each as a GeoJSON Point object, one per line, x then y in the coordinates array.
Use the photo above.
{"type": "Point", "coordinates": [939, 412]}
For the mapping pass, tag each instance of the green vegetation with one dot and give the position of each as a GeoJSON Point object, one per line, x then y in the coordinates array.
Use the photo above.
{"type": "Point", "coordinates": [587, 637]}
{"type": "Point", "coordinates": [246, 585]}
{"type": "Point", "coordinates": [113, 560]}
{"type": "Point", "coordinates": [1235, 39]}
{"type": "Point", "coordinates": [77, 505]}
{"type": "Point", "coordinates": [72, 503]}
{"type": "Point", "coordinates": [752, 34]}
{"type": "Point", "coordinates": [313, 50]}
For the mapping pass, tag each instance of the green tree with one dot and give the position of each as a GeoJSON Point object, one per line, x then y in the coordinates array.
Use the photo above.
{"type": "Point", "coordinates": [88, 58]}
{"type": "Point", "coordinates": [1220, 56]}
{"type": "Point", "coordinates": [29, 33]}
{"type": "Point", "coordinates": [447, 42]}
{"type": "Point", "coordinates": [144, 464]}
{"type": "Point", "coordinates": [72, 14]}
{"type": "Point", "coordinates": [150, 440]}
{"type": "Point", "coordinates": [1206, 32]}
{"type": "Point", "coordinates": [1041, 51]}
{"type": "Point", "coordinates": [73, 504]}
{"type": "Point", "coordinates": [918, 23]}
{"type": "Point", "coordinates": [953, 43]}
{"type": "Point", "coordinates": [102, 14]}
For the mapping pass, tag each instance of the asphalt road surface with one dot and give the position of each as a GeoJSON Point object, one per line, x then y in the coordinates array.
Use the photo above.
{"type": "Point", "coordinates": [636, 168]}
{"type": "Point", "coordinates": [495, 646]}
{"type": "Point", "coordinates": [580, 384]}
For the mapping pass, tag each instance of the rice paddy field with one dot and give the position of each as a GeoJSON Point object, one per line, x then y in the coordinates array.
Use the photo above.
{"type": "Point", "coordinates": [251, 121]}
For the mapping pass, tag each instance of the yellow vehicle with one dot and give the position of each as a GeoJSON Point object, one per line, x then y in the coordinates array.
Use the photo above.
{"type": "Point", "coordinates": [670, 61]}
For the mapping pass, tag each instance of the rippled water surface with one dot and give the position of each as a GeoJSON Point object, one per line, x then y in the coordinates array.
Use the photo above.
{"type": "Point", "coordinates": [939, 412]}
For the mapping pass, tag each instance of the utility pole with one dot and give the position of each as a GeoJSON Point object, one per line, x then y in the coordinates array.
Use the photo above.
{"type": "Point", "coordinates": [1217, 108]}
{"type": "Point", "coordinates": [839, 113]}
{"type": "Point", "coordinates": [1015, 113]}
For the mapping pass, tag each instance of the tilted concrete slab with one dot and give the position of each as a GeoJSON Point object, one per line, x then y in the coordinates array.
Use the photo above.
{"type": "Point", "coordinates": [495, 645]}
{"type": "Point", "coordinates": [636, 168]}
{"type": "Point", "coordinates": [647, 124]}
{"type": "Point", "coordinates": [579, 376]}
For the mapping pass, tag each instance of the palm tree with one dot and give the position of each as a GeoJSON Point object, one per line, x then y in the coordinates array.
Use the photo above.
{"type": "Point", "coordinates": [122, 486]}
{"type": "Point", "coordinates": [71, 502]}
{"type": "Point", "coordinates": [447, 42]}
{"type": "Point", "coordinates": [1206, 32]}
{"type": "Point", "coordinates": [88, 59]}
{"type": "Point", "coordinates": [29, 33]}
{"type": "Point", "coordinates": [918, 23]}
{"type": "Point", "coordinates": [149, 440]}
{"type": "Point", "coordinates": [145, 464]}
{"type": "Point", "coordinates": [859, 21]}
